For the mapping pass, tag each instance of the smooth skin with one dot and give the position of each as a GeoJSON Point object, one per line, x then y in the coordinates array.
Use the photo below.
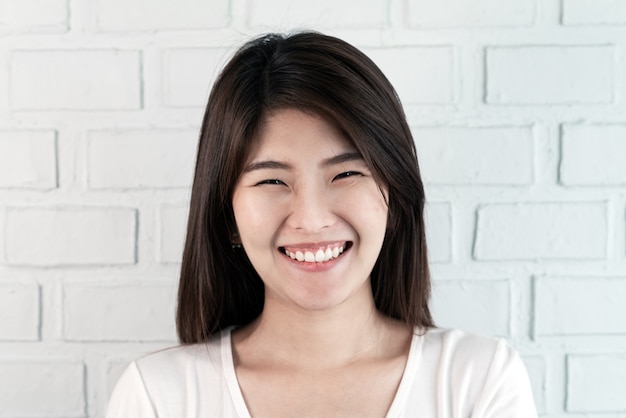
{"type": "Point", "coordinates": [320, 348]}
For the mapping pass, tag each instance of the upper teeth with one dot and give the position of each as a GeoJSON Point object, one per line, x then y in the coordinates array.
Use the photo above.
{"type": "Point", "coordinates": [318, 256]}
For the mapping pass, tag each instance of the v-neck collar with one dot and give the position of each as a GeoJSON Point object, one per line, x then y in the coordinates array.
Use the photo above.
{"type": "Point", "coordinates": [397, 405]}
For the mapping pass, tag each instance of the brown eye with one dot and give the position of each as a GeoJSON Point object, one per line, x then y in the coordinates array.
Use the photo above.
{"type": "Point", "coordinates": [270, 181]}
{"type": "Point", "coordinates": [347, 174]}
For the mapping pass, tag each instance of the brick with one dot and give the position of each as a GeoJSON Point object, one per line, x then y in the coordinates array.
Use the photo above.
{"type": "Point", "coordinates": [137, 312]}
{"type": "Point", "coordinates": [594, 12]}
{"type": "Point", "coordinates": [156, 15]}
{"type": "Point", "coordinates": [19, 315]}
{"type": "Point", "coordinates": [593, 155]}
{"type": "Point", "coordinates": [481, 307]}
{"type": "Point", "coordinates": [430, 82]}
{"type": "Point", "coordinates": [536, 367]}
{"type": "Point", "coordinates": [438, 220]}
{"type": "Point", "coordinates": [34, 15]}
{"type": "Point", "coordinates": [75, 80]}
{"type": "Point", "coordinates": [173, 229]}
{"type": "Point", "coordinates": [28, 160]}
{"type": "Point", "coordinates": [580, 306]}
{"type": "Point", "coordinates": [70, 236]}
{"type": "Point", "coordinates": [137, 159]}
{"type": "Point", "coordinates": [595, 383]}
{"type": "Point", "coordinates": [189, 75]}
{"type": "Point", "coordinates": [42, 389]}
{"type": "Point", "coordinates": [531, 231]}
{"type": "Point", "coordinates": [550, 75]}
{"type": "Point", "coordinates": [470, 13]}
{"type": "Point", "coordinates": [465, 156]}
{"type": "Point", "coordinates": [329, 13]}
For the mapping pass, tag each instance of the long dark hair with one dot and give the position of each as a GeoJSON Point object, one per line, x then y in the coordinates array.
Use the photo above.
{"type": "Point", "coordinates": [325, 76]}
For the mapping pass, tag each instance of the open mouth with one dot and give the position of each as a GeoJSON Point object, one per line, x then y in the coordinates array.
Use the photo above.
{"type": "Point", "coordinates": [317, 255]}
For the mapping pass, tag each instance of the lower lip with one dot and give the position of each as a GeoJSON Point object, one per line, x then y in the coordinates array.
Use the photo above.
{"type": "Point", "coordinates": [316, 267]}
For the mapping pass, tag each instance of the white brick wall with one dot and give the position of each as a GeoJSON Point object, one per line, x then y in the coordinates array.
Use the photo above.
{"type": "Point", "coordinates": [466, 13]}
{"type": "Point", "coordinates": [189, 74]}
{"type": "Point", "coordinates": [173, 224]}
{"type": "Point", "coordinates": [580, 305]}
{"type": "Point", "coordinates": [155, 15]}
{"type": "Point", "coordinates": [584, 370]}
{"type": "Point", "coordinates": [482, 307]}
{"type": "Point", "coordinates": [559, 75]}
{"type": "Point", "coordinates": [323, 13]}
{"type": "Point", "coordinates": [518, 113]}
{"type": "Point", "coordinates": [541, 231]}
{"type": "Point", "coordinates": [19, 317]}
{"type": "Point", "coordinates": [51, 15]}
{"type": "Point", "coordinates": [594, 12]}
{"type": "Point", "coordinates": [593, 155]}
{"type": "Point", "coordinates": [45, 387]}
{"type": "Point", "coordinates": [431, 82]}
{"type": "Point", "coordinates": [69, 236]}
{"type": "Point", "coordinates": [28, 160]}
{"type": "Point", "coordinates": [75, 80]}
{"type": "Point", "coordinates": [166, 159]}
{"type": "Point", "coordinates": [462, 156]}
{"type": "Point", "coordinates": [118, 312]}
{"type": "Point", "coordinates": [438, 219]}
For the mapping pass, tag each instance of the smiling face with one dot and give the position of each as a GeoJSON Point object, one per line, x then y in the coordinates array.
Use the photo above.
{"type": "Point", "coordinates": [309, 213]}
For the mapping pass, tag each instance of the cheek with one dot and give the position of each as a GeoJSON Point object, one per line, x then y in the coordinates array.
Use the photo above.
{"type": "Point", "coordinates": [254, 216]}
{"type": "Point", "coordinates": [367, 208]}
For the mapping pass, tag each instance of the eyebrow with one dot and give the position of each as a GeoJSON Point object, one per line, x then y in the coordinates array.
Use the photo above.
{"type": "Point", "coordinates": [278, 165]}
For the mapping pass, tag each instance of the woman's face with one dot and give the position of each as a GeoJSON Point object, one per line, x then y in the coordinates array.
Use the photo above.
{"type": "Point", "coordinates": [310, 216]}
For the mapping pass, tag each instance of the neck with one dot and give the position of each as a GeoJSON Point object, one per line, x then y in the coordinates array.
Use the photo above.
{"type": "Point", "coordinates": [319, 339]}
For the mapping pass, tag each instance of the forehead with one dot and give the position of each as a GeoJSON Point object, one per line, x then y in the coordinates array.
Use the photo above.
{"type": "Point", "coordinates": [291, 131]}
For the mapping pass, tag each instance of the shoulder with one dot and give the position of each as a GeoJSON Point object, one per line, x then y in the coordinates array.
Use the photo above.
{"type": "Point", "coordinates": [462, 348]}
{"type": "Point", "coordinates": [183, 369]}
{"type": "Point", "coordinates": [465, 354]}
{"type": "Point", "coordinates": [178, 362]}
{"type": "Point", "coordinates": [159, 383]}
{"type": "Point", "coordinates": [483, 376]}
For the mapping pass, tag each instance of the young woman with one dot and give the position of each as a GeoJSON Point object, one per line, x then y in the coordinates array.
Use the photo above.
{"type": "Point", "coordinates": [305, 284]}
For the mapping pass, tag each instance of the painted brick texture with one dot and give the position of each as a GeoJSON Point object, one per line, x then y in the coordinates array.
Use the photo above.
{"type": "Point", "coordinates": [70, 236]}
{"type": "Point", "coordinates": [50, 15]}
{"type": "Point", "coordinates": [482, 307]}
{"type": "Point", "coordinates": [167, 159]}
{"type": "Point", "coordinates": [432, 82]}
{"type": "Point", "coordinates": [584, 371]}
{"type": "Point", "coordinates": [75, 80]}
{"type": "Point", "coordinates": [438, 219]}
{"type": "Point", "coordinates": [42, 388]}
{"type": "Point", "coordinates": [594, 12]}
{"type": "Point", "coordinates": [461, 156]}
{"type": "Point", "coordinates": [189, 75]}
{"type": "Point", "coordinates": [28, 160]}
{"type": "Point", "coordinates": [559, 75]}
{"type": "Point", "coordinates": [118, 313]}
{"type": "Point", "coordinates": [19, 317]}
{"type": "Point", "coordinates": [173, 229]}
{"type": "Point", "coordinates": [518, 115]}
{"type": "Point", "coordinates": [158, 15]}
{"type": "Point", "coordinates": [578, 306]}
{"type": "Point", "coordinates": [329, 13]}
{"type": "Point", "coordinates": [541, 231]}
{"type": "Point", "coordinates": [593, 155]}
{"type": "Point", "coordinates": [472, 13]}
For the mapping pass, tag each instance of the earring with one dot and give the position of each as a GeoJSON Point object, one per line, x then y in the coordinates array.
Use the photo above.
{"type": "Point", "coordinates": [235, 241]}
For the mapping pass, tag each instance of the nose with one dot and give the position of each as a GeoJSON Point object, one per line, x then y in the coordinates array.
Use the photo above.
{"type": "Point", "coordinates": [312, 209]}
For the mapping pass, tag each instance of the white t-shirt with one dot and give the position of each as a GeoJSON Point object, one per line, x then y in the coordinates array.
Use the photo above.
{"type": "Point", "coordinates": [448, 374]}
